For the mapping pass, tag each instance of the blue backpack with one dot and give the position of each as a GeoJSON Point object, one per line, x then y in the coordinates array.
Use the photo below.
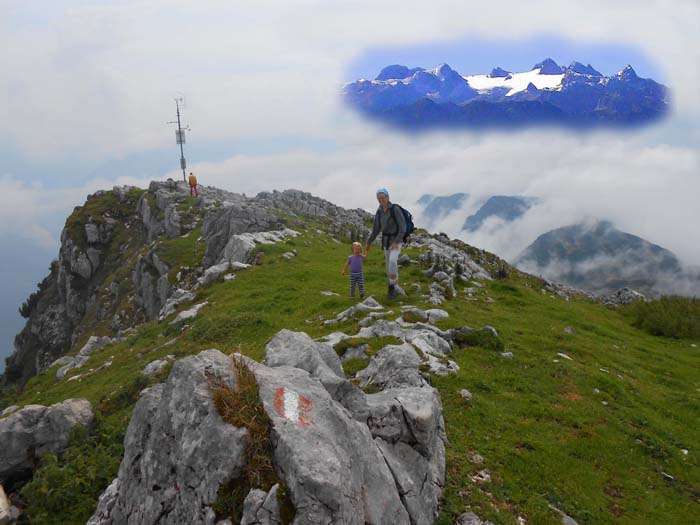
{"type": "Point", "coordinates": [408, 218]}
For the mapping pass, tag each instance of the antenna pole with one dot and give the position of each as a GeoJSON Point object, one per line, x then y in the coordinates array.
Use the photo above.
{"type": "Point", "coordinates": [180, 138]}
{"type": "Point", "coordinates": [179, 131]}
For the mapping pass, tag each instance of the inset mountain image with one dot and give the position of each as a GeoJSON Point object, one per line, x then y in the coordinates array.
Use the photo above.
{"type": "Point", "coordinates": [574, 96]}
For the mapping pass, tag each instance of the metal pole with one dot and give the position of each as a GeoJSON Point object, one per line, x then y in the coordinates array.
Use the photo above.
{"type": "Point", "coordinates": [182, 152]}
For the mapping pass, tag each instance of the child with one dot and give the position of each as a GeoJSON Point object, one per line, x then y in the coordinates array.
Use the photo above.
{"type": "Point", "coordinates": [354, 262]}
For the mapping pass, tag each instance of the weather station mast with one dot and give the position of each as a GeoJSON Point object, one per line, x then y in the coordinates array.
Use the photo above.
{"type": "Point", "coordinates": [180, 136]}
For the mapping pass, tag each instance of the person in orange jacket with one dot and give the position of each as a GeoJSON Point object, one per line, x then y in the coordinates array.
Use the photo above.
{"type": "Point", "coordinates": [193, 185]}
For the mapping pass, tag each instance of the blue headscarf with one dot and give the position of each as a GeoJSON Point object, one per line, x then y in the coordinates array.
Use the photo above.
{"type": "Point", "coordinates": [384, 191]}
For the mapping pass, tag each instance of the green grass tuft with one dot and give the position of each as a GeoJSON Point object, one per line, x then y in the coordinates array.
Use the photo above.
{"type": "Point", "coordinates": [481, 338]}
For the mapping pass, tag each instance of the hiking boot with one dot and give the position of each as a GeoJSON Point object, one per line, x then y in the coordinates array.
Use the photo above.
{"type": "Point", "coordinates": [392, 291]}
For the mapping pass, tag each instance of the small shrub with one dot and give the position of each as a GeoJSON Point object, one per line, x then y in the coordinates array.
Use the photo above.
{"type": "Point", "coordinates": [125, 397]}
{"type": "Point", "coordinates": [411, 317]}
{"type": "Point", "coordinates": [676, 317]}
{"type": "Point", "coordinates": [64, 488]}
{"type": "Point", "coordinates": [481, 338]}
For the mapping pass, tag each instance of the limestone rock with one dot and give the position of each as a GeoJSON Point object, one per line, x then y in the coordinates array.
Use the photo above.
{"type": "Point", "coordinates": [177, 298]}
{"type": "Point", "coordinates": [394, 366]}
{"type": "Point", "coordinates": [7, 411]}
{"type": "Point", "coordinates": [68, 363]}
{"type": "Point", "coordinates": [622, 297]}
{"type": "Point", "coordinates": [332, 468]}
{"type": "Point", "coordinates": [435, 314]}
{"type": "Point", "coordinates": [154, 367]}
{"type": "Point", "coordinates": [188, 314]}
{"type": "Point", "coordinates": [34, 430]}
{"type": "Point", "coordinates": [261, 508]}
{"type": "Point", "coordinates": [298, 350]}
{"type": "Point", "coordinates": [212, 273]}
{"type": "Point", "coordinates": [469, 518]}
{"type": "Point", "coordinates": [177, 450]}
{"type": "Point", "coordinates": [416, 313]}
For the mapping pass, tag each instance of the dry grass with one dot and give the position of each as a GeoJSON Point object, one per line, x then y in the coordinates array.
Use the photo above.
{"type": "Point", "coordinates": [240, 406]}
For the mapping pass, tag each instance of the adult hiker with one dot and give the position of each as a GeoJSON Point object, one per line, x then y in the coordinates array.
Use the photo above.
{"type": "Point", "coordinates": [193, 185]}
{"type": "Point", "coordinates": [390, 221]}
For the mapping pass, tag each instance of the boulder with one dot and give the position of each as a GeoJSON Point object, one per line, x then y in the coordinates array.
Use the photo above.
{"type": "Point", "coordinates": [261, 508]}
{"type": "Point", "coordinates": [188, 314]}
{"type": "Point", "coordinates": [69, 362]}
{"type": "Point", "coordinates": [298, 350]}
{"type": "Point", "coordinates": [35, 430]}
{"type": "Point", "coordinates": [414, 313]}
{"type": "Point", "coordinates": [212, 273]}
{"type": "Point", "coordinates": [355, 352]}
{"type": "Point", "coordinates": [154, 367]}
{"type": "Point", "coordinates": [331, 465]}
{"type": "Point", "coordinates": [177, 450]}
{"type": "Point", "coordinates": [435, 314]}
{"type": "Point", "coordinates": [408, 427]}
{"type": "Point", "coordinates": [431, 343]}
{"type": "Point", "coordinates": [394, 366]}
{"type": "Point", "coordinates": [177, 298]}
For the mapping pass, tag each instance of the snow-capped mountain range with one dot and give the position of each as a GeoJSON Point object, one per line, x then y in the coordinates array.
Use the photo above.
{"type": "Point", "coordinates": [576, 95]}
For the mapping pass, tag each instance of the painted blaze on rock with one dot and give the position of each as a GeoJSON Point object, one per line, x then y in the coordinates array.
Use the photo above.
{"type": "Point", "coordinates": [293, 406]}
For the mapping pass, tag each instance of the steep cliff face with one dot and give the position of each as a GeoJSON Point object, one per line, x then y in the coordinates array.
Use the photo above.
{"type": "Point", "coordinates": [82, 289]}
{"type": "Point", "coordinates": [121, 259]}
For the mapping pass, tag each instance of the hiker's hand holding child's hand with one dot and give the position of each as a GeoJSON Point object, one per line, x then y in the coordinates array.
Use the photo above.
{"type": "Point", "coordinates": [394, 245]}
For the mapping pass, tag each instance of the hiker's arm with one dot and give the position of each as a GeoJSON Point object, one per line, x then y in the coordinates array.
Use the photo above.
{"type": "Point", "coordinates": [345, 268]}
{"type": "Point", "coordinates": [376, 228]}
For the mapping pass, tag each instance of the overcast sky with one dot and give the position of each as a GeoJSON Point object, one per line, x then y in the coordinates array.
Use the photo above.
{"type": "Point", "coordinates": [87, 88]}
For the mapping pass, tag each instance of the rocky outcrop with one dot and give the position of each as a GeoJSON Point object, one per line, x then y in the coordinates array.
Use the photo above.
{"type": "Point", "coordinates": [35, 430]}
{"type": "Point", "coordinates": [261, 508]}
{"type": "Point", "coordinates": [91, 249]}
{"type": "Point", "coordinates": [402, 428]}
{"type": "Point", "coordinates": [334, 471]}
{"type": "Point", "coordinates": [177, 450]}
{"type": "Point", "coordinates": [69, 362]}
{"type": "Point", "coordinates": [343, 455]}
{"type": "Point", "coordinates": [622, 297]}
{"type": "Point", "coordinates": [151, 285]}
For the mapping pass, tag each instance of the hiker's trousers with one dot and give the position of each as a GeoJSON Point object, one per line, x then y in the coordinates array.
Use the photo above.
{"type": "Point", "coordinates": [357, 280]}
{"type": "Point", "coordinates": [392, 264]}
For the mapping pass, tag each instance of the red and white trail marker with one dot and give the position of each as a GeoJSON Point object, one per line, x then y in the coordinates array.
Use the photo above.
{"type": "Point", "coordinates": [293, 406]}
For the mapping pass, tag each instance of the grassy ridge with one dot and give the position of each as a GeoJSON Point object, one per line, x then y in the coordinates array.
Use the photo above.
{"type": "Point", "coordinates": [539, 420]}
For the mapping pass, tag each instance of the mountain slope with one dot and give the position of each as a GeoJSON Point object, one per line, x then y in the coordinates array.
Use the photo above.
{"type": "Point", "coordinates": [504, 207]}
{"type": "Point", "coordinates": [594, 435]}
{"type": "Point", "coordinates": [576, 95]}
{"type": "Point", "coordinates": [601, 258]}
{"type": "Point", "coordinates": [437, 207]}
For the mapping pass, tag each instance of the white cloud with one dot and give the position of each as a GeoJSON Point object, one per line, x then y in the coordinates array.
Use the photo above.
{"type": "Point", "coordinates": [97, 80]}
{"type": "Point", "coordinates": [647, 190]}
{"type": "Point", "coordinates": [37, 213]}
